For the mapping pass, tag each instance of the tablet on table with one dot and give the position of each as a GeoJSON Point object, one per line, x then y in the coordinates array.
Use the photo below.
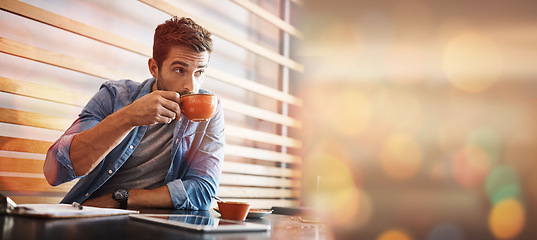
{"type": "Point", "coordinates": [201, 223]}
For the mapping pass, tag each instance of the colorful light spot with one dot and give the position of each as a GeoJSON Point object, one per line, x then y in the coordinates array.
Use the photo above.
{"type": "Point", "coordinates": [400, 109]}
{"type": "Point", "coordinates": [470, 167]}
{"type": "Point", "coordinates": [330, 188]}
{"type": "Point", "coordinates": [488, 140]}
{"type": "Point", "coordinates": [394, 234]}
{"type": "Point", "coordinates": [502, 183]}
{"type": "Point", "coordinates": [401, 156]}
{"type": "Point", "coordinates": [472, 62]}
{"type": "Point", "coordinates": [350, 112]}
{"type": "Point", "coordinates": [507, 219]}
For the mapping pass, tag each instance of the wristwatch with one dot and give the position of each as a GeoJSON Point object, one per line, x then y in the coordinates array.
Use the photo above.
{"type": "Point", "coordinates": [122, 196]}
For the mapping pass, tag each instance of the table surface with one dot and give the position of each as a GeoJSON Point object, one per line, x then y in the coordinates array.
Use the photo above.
{"type": "Point", "coordinates": [123, 227]}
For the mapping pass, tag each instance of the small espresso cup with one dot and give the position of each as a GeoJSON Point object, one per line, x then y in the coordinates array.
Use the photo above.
{"type": "Point", "coordinates": [198, 107]}
{"type": "Point", "coordinates": [236, 211]}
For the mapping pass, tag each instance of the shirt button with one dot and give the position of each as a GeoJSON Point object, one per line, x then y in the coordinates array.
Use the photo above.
{"type": "Point", "coordinates": [87, 194]}
{"type": "Point", "coordinates": [110, 171]}
{"type": "Point", "coordinates": [131, 147]}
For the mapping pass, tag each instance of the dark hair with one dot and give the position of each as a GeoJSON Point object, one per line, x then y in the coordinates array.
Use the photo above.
{"type": "Point", "coordinates": [183, 31]}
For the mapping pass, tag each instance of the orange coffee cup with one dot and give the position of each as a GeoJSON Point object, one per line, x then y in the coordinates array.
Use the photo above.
{"type": "Point", "coordinates": [233, 210]}
{"type": "Point", "coordinates": [199, 106]}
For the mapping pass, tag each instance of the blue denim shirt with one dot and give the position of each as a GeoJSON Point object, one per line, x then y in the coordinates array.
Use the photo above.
{"type": "Point", "coordinates": [197, 151]}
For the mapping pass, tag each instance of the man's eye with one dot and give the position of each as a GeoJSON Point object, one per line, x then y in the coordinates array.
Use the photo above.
{"type": "Point", "coordinates": [179, 70]}
{"type": "Point", "coordinates": [200, 72]}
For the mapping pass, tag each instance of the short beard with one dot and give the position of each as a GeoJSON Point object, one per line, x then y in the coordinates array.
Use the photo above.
{"type": "Point", "coordinates": [159, 83]}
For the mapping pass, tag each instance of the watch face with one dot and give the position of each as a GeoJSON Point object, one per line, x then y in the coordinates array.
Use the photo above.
{"type": "Point", "coordinates": [120, 194]}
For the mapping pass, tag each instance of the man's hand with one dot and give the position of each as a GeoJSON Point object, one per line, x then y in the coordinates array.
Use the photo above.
{"type": "Point", "coordinates": [105, 201]}
{"type": "Point", "coordinates": [156, 107]}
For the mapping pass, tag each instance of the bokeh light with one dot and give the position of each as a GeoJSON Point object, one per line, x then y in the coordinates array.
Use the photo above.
{"type": "Point", "coordinates": [472, 62]}
{"type": "Point", "coordinates": [350, 112]}
{"type": "Point", "coordinates": [502, 183]}
{"type": "Point", "coordinates": [507, 219]}
{"type": "Point", "coordinates": [401, 156]}
{"type": "Point", "coordinates": [470, 167]}
{"type": "Point", "coordinates": [400, 109]}
{"type": "Point", "coordinates": [331, 187]}
{"type": "Point", "coordinates": [394, 234]}
{"type": "Point", "coordinates": [487, 140]}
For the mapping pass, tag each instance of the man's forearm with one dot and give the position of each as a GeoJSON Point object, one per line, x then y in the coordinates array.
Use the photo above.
{"type": "Point", "coordinates": [89, 147]}
{"type": "Point", "coordinates": [154, 198]}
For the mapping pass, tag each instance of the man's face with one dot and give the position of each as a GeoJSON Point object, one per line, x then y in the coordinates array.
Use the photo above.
{"type": "Point", "coordinates": [183, 71]}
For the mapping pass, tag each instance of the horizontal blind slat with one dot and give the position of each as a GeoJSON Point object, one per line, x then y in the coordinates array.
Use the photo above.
{"type": "Point", "coordinates": [252, 192]}
{"type": "Point", "coordinates": [34, 119]}
{"type": "Point", "coordinates": [24, 145]}
{"type": "Point", "coordinates": [256, 169]}
{"type": "Point", "coordinates": [42, 92]}
{"type": "Point", "coordinates": [258, 181]}
{"type": "Point", "coordinates": [260, 136]}
{"type": "Point", "coordinates": [260, 113]}
{"type": "Point", "coordinates": [261, 154]}
{"type": "Point", "coordinates": [21, 165]}
{"type": "Point", "coordinates": [31, 184]}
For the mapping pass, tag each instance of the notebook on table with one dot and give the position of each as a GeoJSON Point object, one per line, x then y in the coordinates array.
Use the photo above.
{"type": "Point", "coordinates": [8, 206]}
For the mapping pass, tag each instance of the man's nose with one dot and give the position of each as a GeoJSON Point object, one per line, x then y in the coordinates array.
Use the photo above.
{"type": "Point", "coordinates": [189, 84]}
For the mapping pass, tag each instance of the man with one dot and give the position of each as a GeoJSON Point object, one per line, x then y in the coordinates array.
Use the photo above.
{"type": "Point", "coordinates": [131, 146]}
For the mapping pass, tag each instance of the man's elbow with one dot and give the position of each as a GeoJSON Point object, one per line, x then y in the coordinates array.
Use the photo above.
{"type": "Point", "coordinates": [50, 170]}
{"type": "Point", "coordinates": [51, 180]}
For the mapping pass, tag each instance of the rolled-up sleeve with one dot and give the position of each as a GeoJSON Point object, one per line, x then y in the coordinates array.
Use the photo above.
{"type": "Point", "coordinates": [58, 166]}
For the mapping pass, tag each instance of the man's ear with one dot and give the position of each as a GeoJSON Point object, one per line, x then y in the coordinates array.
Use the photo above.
{"type": "Point", "coordinates": [153, 67]}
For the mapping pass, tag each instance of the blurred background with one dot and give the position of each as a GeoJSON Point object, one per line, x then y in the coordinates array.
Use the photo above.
{"type": "Point", "coordinates": [420, 118]}
{"type": "Point", "coordinates": [396, 119]}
